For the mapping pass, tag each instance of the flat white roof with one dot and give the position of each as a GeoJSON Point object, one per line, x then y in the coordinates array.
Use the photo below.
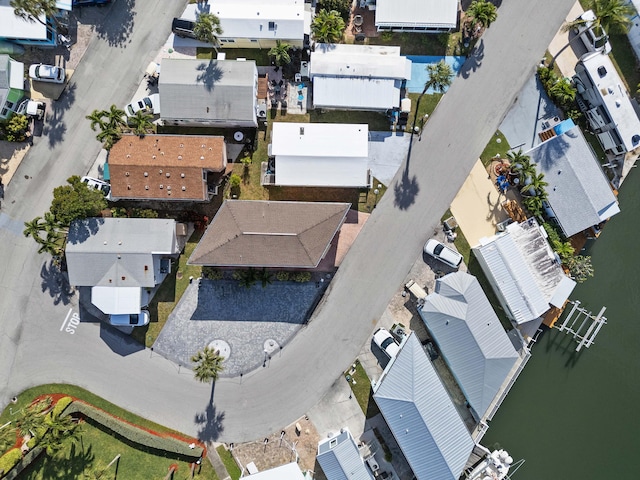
{"type": "Point", "coordinates": [614, 96]}
{"type": "Point", "coordinates": [370, 61]}
{"type": "Point", "coordinates": [116, 300]}
{"type": "Point", "coordinates": [357, 93]}
{"type": "Point", "coordinates": [340, 140]}
{"type": "Point", "coordinates": [16, 74]}
{"type": "Point", "coordinates": [251, 18]}
{"type": "Point", "coordinates": [428, 13]}
{"type": "Point", "coordinates": [290, 471]}
{"type": "Point", "coordinates": [12, 26]}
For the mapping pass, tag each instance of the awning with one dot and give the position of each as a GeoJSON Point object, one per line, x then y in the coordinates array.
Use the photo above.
{"type": "Point", "coordinates": [116, 300]}
{"type": "Point", "coordinates": [105, 172]}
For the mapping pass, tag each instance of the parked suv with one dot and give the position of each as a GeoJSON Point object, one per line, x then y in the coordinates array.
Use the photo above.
{"type": "Point", "coordinates": [443, 253]}
{"type": "Point", "coordinates": [594, 38]}
{"type": "Point", "coordinates": [183, 28]}
{"type": "Point", "coordinates": [385, 341]}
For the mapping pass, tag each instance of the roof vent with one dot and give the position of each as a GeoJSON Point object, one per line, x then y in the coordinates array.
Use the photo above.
{"type": "Point", "coordinates": [202, 157]}
{"type": "Point", "coordinates": [182, 175]}
{"type": "Point", "coordinates": [160, 171]}
{"type": "Point", "coordinates": [181, 145]}
{"type": "Point", "coordinates": [301, 130]}
{"type": "Point", "coordinates": [105, 242]}
{"type": "Point", "coordinates": [168, 174]}
{"type": "Point", "coordinates": [179, 157]}
{"type": "Point", "coordinates": [128, 156]}
{"type": "Point", "coordinates": [153, 156]}
{"type": "Point", "coordinates": [202, 146]}
{"type": "Point", "coordinates": [120, 242]}
{"type": "Point", "coordinates": [169, 192]}
{"type": "Point", "coordinates": [128, 187]}
{"type": "Point", "coordinates": [126, 174]}
{"type": "Point", "coordinates": [161, 186]}
{"type": "Point", "coordinates": [210, 149]}
{"type": "Point", "coordinates": [146, 174]}
{"type": "Point", "coordinates": [184, 188]}
{"type": "Point", "coordinates": [168, 187]}
{"type": "Point", "coordinates": [146, 187]}
{"type": "Point", "coordinates": [161, 153]}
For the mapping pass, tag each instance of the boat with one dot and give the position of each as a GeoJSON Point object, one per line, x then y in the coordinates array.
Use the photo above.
{"type": "Point", "coordinates": [495, 466]}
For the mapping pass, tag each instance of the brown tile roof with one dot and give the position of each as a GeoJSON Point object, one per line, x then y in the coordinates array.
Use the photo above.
{"type": "Point", "coordinates": [164, 167]}
{"type": "Point", "coordinates": [246, 233]}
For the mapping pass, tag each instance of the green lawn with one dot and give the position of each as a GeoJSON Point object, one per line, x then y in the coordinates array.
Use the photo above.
{"type": "Point", "coordinates": [106, 446]}
{"type": "Point", "coordinates": [497, 145]}
{"type": "Point", "coordinates": [422, 44]}
{"type": "Point", "coordinates": [362, 391]}
{"type": "Point", "coordinates": [169, 294]}
{"type": "Point", "coordinates": [229, 462]}
{"type": "Point", "coordinates": [376, 121]}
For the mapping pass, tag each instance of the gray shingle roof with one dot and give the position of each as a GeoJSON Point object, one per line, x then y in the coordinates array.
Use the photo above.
{"type": "Point", "coordinates": [422, 416]}
{"type": "Point", "coordinates": [270, 234]}
{"type": "Point", "coordinates": [340, 459]}
{"type": "Point", "coordinates": [470, 337]}
{"type": "Point", "coordinates": [209, 91]}
{"type": "Point", "coordinates": [578, 191]}
{"type": "Point", "coordinates": [118, 252]}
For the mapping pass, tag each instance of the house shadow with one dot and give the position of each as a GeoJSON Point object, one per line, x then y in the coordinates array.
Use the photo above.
{"type": "Point", "coordinates": [56, 283]}
{"type": "Point", "coordinates": [118, 341]}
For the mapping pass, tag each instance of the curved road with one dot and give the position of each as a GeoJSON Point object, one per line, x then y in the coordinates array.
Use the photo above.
{"type": "Point", "coordinates": [33, 350]}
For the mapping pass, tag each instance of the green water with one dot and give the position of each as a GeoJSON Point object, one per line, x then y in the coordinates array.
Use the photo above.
{"type": "Point", "coordinates": [574, 417]}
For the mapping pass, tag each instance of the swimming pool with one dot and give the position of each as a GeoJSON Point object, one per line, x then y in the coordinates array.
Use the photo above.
{"type": "Point", "coordinates": [419, 74]}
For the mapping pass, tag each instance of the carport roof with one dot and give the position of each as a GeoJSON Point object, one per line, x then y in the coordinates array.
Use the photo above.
{"type": "Point", "coordinates": [250, 233]}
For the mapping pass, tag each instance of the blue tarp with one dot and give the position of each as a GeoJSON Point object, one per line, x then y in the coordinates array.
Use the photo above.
{"type": "Point", "coordinates": [419, 75]}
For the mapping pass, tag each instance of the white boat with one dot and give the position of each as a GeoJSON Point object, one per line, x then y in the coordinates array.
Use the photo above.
{"type": "Point", "coordinates": [495, 466]}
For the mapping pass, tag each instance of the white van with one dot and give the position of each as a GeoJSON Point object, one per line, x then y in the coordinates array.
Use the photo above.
{"type": "Point", "coordinates": [594, 38]}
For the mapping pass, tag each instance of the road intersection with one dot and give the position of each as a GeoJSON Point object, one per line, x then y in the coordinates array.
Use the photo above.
{"type": "Point", "coordinates": [35, 346]}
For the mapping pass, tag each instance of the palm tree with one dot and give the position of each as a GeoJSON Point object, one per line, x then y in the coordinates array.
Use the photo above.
{"type": "Point", "coordinates": [208, 365]}
{"type": "Point", "coordinates": [60, 429]}
{"type": "Point", "coordinates": [440, 76]}
{"type": "Point", "coordinates": [248, 278]}
{"type": "Point", "coordinates": [33, 229]}
{"type": "Point", "coordinates": [32, 418]}
{"type": "Point", "coordinates": [563, 92]}
{"type": "Point", "coordinates": [327, 26]}
{"type": "Point", "coordinates": [141, 122]}
{"type": "Point", "coordinates": [31, 10]}
{"type": "Point", "coordinates": [580, 267]}
{"type": "Point", "coordinates": [208, 29]}
{"type": "Point", "coordinates": [535, 186]}
{"type": "Point", "coordinates": [613, 16]}
{"type": "Point", "coordinates": [116, 117]}
{"type": "Point", "coordinates": [280, 53]}
{"type": "Point", "coordinates": [534, 205]}
{"type": "Point", "coordinates": [521, 165]}
{"type": "Point", "coordinates": [265, 277]}
{"type": "Point", "coordinates": [482, 13]}
{"type": "Point", "coordinates": [109, 136]}
{"type": "Point", "coordinates": [97, 119]}
{"type": "Point", "coordinates": [7, 437]}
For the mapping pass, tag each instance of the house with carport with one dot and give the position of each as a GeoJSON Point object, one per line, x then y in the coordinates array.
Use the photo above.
{"type": "Point", "coordinates": [358, 77]}
{"type": "Point", "coordinates": [340, 459]}
{"type": "Point", "coordinates": [426, 16]}
{"type": "Point", "coordinates": [579, 195]}
{"type": "Point", "coordinates": [256, 23]}
{"type": "Point", "coordinates": [167, 167]}
{"type": "Point", "coordinates": [122, 260]}
{"type": "Point", "coordinates": [11, 85]}
{"type": "Point", "coordinates": [318, 155]}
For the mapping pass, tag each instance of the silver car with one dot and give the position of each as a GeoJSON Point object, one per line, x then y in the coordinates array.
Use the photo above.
{"type": "Point", "coordinates": [443, 253]}
{"type": "Point", "coordinates": [47, 73]}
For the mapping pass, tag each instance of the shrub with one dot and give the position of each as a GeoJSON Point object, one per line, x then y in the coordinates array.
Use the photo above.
{"type": "Point", "coordinates": [60, 406]}
{"type": "Point", "coordinates": [343, 7]}
{"type": "Point", "coordinates": [301, 277]}
{"type": "Point", "coordinates": [144, 213]}
{"type": "Point", "coordinates": [386, 36]}
{"type": "Point", "coordinates": [10, 460]}
{"type": "Point", "coordinates": [212, 273]}
{"type": "Point", "coordinates": [119, 212]}
{"type": "Point", "coordinates": [16, 128]}
{"type": "Point", "coordinates": [32, 442]}
{"type": "Point", "coordinates": [135, 434]}
{"type": "Point", "coordinates": [282, 276]}
{"type": "Point", "coordinates": [237, 275]}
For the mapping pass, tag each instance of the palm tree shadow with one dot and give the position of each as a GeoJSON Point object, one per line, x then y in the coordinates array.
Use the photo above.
{"type": "Point", "coordinates": [56, 283]}
{"type": "Point", "coordinates": [474, 60]}
{"type": "Point", "coordinates": [406, 189]}
{"type": "Point", "coordinates": [210, 421]}
{"type": "Point", "coordinates": [117, 29]}
{"type": "Point", "coordinates": [209, 74]}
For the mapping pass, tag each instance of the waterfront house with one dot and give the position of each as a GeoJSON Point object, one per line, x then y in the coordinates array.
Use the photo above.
{"type": "Point", "coordinates": [11, 85]}
{"type": "Point", "coordinates": [318, 155]}
{"type": "Point", "coordinates": [358, 77]}
{"type": "Point", "coordinates": [256, 23]}
{"type": "Point", "coordinates": [473, 343]}
{"type": "Point", "coordinates": [264, 234]}
{"type": "Point", "coordinates": [430, 16]}
{"type": "Point", "coordinates": [121, 259]}
{"type": "Point", "coordinates": [340, 458]}
{"type": "Point", "coordinates": [167, 167]}
{"type": "Point", "coordinates": [579, 194]}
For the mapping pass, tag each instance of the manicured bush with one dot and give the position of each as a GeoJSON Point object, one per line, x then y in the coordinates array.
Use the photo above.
{"type": "Point", "coordinates": [135, 434]}
{"type": "Point", "coordinates": [301, 277]}
{"type": "Point", "coordinates": [60, 406]}
{"type": "Point", "coordinates": [10, 460]}
{"type": "Point", "coordinates": [282, 276]}
{"type": "Point", "coordinates": [212, 273]}
{"type": "Point", "coordinates": [32, 442]}
{"type": "Point", "coordinates": [237, 275]}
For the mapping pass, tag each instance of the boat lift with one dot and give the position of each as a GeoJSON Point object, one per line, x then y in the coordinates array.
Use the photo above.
{"type": "Point", "coordinates": [583, 318]}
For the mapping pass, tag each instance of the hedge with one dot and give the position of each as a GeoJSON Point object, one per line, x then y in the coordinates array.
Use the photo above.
{"type": "Point", "coordinates": [9, 460]}
{"type": "Point", "coordinates": [29, 457]}
{"type": "Point", "coordinates": [135, 434]}
{"type": "Point", "coordinates": [60, 406]}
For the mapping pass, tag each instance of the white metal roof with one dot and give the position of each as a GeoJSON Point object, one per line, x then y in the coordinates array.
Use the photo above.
{"type": "Point", "coordinates": [578, 191]}
{"type": "Point", "coordinates": [277, 19]}
{"type": "Point", "coordinates": [326, 154]}
{"type": "Point", "coordinates": [340, 458]}
{"type": "Point", "coordinates": [289, 471]}
{"type": "Point", "coordinates": [470, 337]}
{"type": "Point", "coordinates": [429, 13]}
{"type": "Point", "coordinates": [372, 61]}
{"type": "Point", "coordinates": [614, 96]}
{"type": "Point", "coordinates": [422, 416]}
{"type": "Point", "coordinates": [12, 26]}
{"type": "Point", "coordinates": [117, 300]}
{"type": "Point", "coordinates": [522, 266]}
{"type": "Point", "coordinates": [356, 93]}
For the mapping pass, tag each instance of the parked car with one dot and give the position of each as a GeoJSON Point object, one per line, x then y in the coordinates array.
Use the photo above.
{"type": "Point", "coordinates": [47, 73]}
{"type": "Point", "coordinates": [385, 341]}
{"type": "Point", "coordinates": [130, 320]}
{"type": "Point", "coordinates": [441, 252]}
{"type": "Point", "coordinates": [182, 27]}
{"type": "Point", "coordinates": [96, 184]}
{"type": "Point", "coordinates": [594, 38]}
{"type": "Point", "coordinates": [150, 104]}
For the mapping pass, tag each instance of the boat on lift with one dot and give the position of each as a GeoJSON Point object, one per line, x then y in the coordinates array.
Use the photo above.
{"type": "Point", "coordinates": [495, 466]}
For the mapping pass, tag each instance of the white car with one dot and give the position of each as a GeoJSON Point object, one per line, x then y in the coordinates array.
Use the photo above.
{"type": "Point", "coordinates": [47, 73]}
{"type": "Point", "coordinates": [96, 184]}
{"type": "Point", "coordinates": [595, 39]}
{"type": "Point", "coordinates": [441, 252]}
{"type": "Point", "coordinates": [385, 341]}
{"type": "Point", "coordinates": [150, 104]}
{"type": "Point", "coordinates": [130, 320]}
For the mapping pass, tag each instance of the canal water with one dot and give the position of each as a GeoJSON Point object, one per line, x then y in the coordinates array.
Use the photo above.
{"type": "Point", "coordinates": [574, 416]}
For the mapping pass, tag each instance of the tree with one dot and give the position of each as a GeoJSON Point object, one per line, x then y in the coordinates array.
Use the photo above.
{"type": "Point", "coordinates": [111, 123]}
{"type": "Point", "coordinates": [280, 53]}
{"type": "Point", "coordinates": [482, 13]}
{"type": "Point", "coordinates": [141, 123]}
{"type": "Point", "coordinates": [116, 117]}
{"type": "Point", "coordinates": [563, 92]}
{"type": "Point", "coordinates": [59, 429]}
{"type": "Point", "coordinates": [521, 165]}
{"type": "Point", "coordinates": [535, 186]}
{"type": "Point", "coordinates": [208, 365]}
{"type": "Point", "coordinates": [343, 7]}
{"type": "Point", "coordinates": [16, 128]}
{"type": "Point", "coordinates": [76, 201]}
{"type": "Point", "coordinates": [534, 205]}
{"type": "Point", "coordinates": [7, 437]}
{"type": "Point", "coordinates": [32, 419]}
{"type": "Point", "coordinates": [265, 277]}
{"type": "Point", "coordinates": [612, 16]}
{"type": "Point", "coordinates": [97, 119]}
{"type": "Point", "coordinates": [580, 268]}
{"type": "Point", "coordinates": [327, 26]}
{"type": "Point", "coordinates": [33, 229]}
{"type": "Point", "coordinates": [440, 76]}
{"type": "Point", "coordinates": [208, 29]}
{"type": "Point", "coordinates": [109, 136]}
{"type": "Point", "coordinates": [31, 10]}
{"type": "Point", "coordinates": [248, 278]}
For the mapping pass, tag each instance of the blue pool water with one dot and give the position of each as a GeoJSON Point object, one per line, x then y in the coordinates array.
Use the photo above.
{"type": "Point", "coordinates": [419, 74]}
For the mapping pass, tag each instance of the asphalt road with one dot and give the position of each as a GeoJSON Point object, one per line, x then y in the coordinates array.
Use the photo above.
{"type": "Point", "coordinates": [34, 349]}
